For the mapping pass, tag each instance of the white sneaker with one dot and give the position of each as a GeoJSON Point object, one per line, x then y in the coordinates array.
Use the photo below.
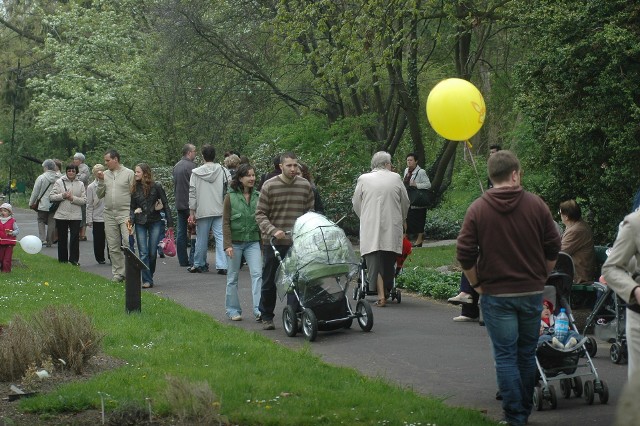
{"type": "Point", "coordinates": [462, 318]}
{"type": "Point", "coordinates": [557, 343]}
{"type": "Point", "coordinates": [460, 299]}
{"type": "Point", "coordinates": [571, 343]}
{"type": "Point", "coordinates": [236, 318]}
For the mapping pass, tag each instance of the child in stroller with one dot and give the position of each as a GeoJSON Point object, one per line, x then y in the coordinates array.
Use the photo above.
{"type": "Point", "coordinates": [547, 329]}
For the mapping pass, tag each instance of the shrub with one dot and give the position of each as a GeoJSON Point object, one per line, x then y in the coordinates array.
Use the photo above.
{"type": "Point", "coordinates": [193, 402]}
{"type": "Point", "coordinates": [20, 347]}
{"type": "Point", "coordinates": [430, 282]}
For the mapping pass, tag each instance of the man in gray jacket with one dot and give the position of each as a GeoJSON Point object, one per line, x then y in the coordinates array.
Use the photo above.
{"type": "Point", "coordinates": [40, 195]}
{"type": "Point", "coordinates": [206, 195]}
{"type": "Point", "coordinates": [181, 176]}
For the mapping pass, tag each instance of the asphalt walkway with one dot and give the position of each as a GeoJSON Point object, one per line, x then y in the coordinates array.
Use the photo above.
{"type": "Point", "coordinates": [414, 344]}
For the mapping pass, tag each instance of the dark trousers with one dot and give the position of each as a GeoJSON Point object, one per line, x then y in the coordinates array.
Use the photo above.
{"type": "Point", "coordinates": [181, 238]}
{"type": "Point", "coordinates": [469, 310]}
{"type": "Point", "coordinates": [268, 293]}
{"type": "Point", "coordinates": [99, 241]}
{"type": "Point", "coordinates": [68, 249]}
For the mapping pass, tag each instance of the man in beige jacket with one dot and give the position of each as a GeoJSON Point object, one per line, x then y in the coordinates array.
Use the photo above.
{"type": "Point", "coordinates": [114, 185]}
{"type": "Point", "coordinates": [381, 202]}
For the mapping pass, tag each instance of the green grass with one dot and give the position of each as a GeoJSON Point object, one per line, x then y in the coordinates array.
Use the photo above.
{"type": "Point", "coordinates": [432, 257]}
{"type": "Point", "coordinates": [256, 380]}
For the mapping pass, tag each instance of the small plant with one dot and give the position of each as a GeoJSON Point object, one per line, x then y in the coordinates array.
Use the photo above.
{"type": "Point", "coordinates": [193, 402]}
{"type": "Point", "coordinates": [20, 347]}
{"type": "Point", "coordinates": [68, 335]}
{"type": "Point", "coordinates": [430, 282]}
{"type": "Point", "coordinates": [129, 414]}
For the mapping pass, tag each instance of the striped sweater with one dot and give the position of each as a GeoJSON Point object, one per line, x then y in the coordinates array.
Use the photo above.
{"type": "Point", "coordinates": [280, 204]}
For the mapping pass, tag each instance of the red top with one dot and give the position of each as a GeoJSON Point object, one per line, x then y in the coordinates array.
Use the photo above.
{"type": "Point", "coordinates": [7, 239]}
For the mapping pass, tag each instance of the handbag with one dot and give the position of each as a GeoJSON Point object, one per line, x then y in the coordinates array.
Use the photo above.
{"type": "Point", "coordinates": [420, 198]}
{"type": "Point", "coordinates": [168, 244]}
{"type": "Point", "coordinates": [35, 205]}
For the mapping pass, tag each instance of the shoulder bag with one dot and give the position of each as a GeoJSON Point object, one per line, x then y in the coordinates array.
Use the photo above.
{"type": "Point", "coordinates": [55, 204]}
{"type": "Point", "coordinates": [35, 205]}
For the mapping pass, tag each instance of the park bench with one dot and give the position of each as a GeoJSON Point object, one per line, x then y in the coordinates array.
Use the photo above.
{"type": "Point", "coordinates": [583, 295]}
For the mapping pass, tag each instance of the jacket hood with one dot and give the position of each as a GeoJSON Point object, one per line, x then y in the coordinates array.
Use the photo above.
{"type": "Point", "coordinates": [209, 172]}
{"type": "Point", "coordinates": [50, 176]}
{"type": "Point", "coordinates": [504, 199]}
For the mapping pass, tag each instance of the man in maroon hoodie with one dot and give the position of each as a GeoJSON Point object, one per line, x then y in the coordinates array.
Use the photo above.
{"type": "Point", "coordinates": [507, 246]}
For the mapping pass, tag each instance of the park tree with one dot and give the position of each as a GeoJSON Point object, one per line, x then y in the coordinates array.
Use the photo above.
{"type": "Point", "coordinates": [578, 92]}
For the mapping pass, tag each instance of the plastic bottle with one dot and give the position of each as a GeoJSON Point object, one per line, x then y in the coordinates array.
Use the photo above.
{"type": "Point", "coordinates": [562, 326]}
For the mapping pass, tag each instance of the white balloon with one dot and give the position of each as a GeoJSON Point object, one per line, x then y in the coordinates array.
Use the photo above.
{"type": "Point", "coordinates": [31, 244]}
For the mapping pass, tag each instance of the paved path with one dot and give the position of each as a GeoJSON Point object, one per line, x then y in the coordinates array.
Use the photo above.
{"type": "Point", "coordinates": [414, 344]}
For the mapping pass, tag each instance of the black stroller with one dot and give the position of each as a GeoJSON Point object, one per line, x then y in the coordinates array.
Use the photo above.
{"type": "Point", "coordinates": [365, 288]}
{"type": "Point", "coordinates": [607, 322]}
{"type": "Point", "coordinates": [315, 276]}
{"type": "Point", "coordinates": [565, 365]}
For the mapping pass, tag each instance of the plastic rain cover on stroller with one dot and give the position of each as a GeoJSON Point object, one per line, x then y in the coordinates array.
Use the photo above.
{"type": "Point", "coordinates": [320, 249]}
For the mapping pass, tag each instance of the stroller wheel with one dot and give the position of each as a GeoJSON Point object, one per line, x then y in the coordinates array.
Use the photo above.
{"type": "Point", "coordinates": [538, 400]}
{"type": "Point", "coordinates": [616, 353]}
{"type": "Point", "coordinates": [553, 398]}
{"type": "Point", "coordinates": [591, 346]}
{"type": "Point", "coordinates": [588, 392]}
{"type": "Point", "coordinates": [398, 296]}
{"type": "Point", "coordinates": [577, 386]}
{"type": "Point", "coordinates": [365, 315]}
{"type": "Point", "coordinates": [603, 392]}
{"type": "Point", "coordinates": [565, 388]}
{"type": "Point", "coordinates": [309, 325]}
{"type": "Point", "coordinates": [290, 321]}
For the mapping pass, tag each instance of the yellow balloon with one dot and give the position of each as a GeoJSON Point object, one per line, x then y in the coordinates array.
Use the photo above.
{"type": "Point", "coordinates": [455, 109]}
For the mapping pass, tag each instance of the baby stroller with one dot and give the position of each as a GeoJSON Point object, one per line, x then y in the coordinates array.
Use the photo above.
{"type": "Point", "coordinates": [365, 288]}
{"type": "Point", "coordinates": [607, 321]}
{"type": "Point", "coordinates": [565, 365]}
{"type": "Point", "coordinates": [315, 276]}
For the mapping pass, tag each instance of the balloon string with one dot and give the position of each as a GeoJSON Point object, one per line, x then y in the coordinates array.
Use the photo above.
{"type": "Point", "coordinates": [467, 146]}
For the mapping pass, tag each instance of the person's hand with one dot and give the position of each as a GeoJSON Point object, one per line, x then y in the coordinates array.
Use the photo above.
{"type": "Point", "coordinates": [229, 252]}
{"type": "Point", "coordinates": [138, 210]}
{"type": "Point", "coordinates": [100, 175]}
{"type": "Point", "coordinates": [279, 234]}
{"type": "Point", "coordinates": [192, 219]}
{"type": "Point", "coordinates": [413, 183]}
{"type": "Point", "coordinates": [89, 224]}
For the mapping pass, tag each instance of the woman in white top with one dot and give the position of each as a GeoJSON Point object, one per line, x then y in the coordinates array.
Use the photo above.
{"type": "Point", "coordinates": [416, 177]}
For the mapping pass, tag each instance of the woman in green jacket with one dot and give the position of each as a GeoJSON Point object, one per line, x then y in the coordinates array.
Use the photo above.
{"type": "Point", "coordinates": [241, 237]}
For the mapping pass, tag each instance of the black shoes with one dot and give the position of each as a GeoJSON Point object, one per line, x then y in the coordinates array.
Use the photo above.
{"type": "Point", "coordinates": [101, 262]}
{"type": "Point", "coordinates": [222, 272]}
{"type": "Point", "coordinates": [196, 269]}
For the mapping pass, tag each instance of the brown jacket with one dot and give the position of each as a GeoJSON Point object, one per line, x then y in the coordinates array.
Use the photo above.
{"type": "Point", "coordinates": [577, 242]}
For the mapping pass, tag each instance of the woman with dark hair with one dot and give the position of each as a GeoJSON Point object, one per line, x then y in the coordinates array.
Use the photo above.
{"type": "Point", "coordinates": [241, 237]}
{"type": "Point", "coordinates": [70, 193]}
{"type": "Point", "coordinates": [148, 199]}
{"type": "Point", "coordinates": [318, 207]}
{"type": "Point", "coordinates": [577, 242]}
{"type": "Point", "coordinates": [416, 177]}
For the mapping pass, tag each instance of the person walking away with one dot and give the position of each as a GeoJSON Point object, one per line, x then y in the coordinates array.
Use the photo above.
{"type": "Point", "coordinates": [95, 216]}
{"type": "Point", "coordinates": [205, 202]}
{"type": "Point", "coordinates": [242, 238]}
{"type": "Point", "coordinates": [8, 231]}
{"type": "Point", "coordinates": [39, 201]}
{"type": "Point", "coordinates": [83, 176]}
{"type": "Point", "coordinates": [181, 176]}
{"type": "Point", "coordinates": [274, 172]}
{"type": "Point", "coordinates": [381, 202]}
{"type": "Point", "coordinates": [507, 246]}
{"type": "Point", "coordinates": [148, 200]}
{"type": "Point", "coordinates": [114, 186]}
{"type": "Point", "coordinates": [416, 177]}
{"type": "Point", "coordinates": [283, 199]}
{"type": "Point", "coordinates": [621, 271]}
{"type": "Point", "coordinates": [71, 194]}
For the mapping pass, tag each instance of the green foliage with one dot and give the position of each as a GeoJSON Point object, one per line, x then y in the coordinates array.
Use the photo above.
{"type": "Point", "coordinates": [578, 91]}
{"type": "Point", "coordinates": [430, 282]}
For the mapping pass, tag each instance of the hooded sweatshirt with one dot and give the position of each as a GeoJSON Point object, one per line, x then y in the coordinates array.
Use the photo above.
{"type": "Point", "coordinates": [206, 190]}
{"type": "Point", "coordinates": [509, 235]}
{"type": "Point", "coordinates": [41, 189]}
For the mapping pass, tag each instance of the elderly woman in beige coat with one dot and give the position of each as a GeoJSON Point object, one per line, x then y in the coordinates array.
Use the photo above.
{"type": "Point", "coordinates": [381, 202]}
{"type": "Point", "coordinates": [70, 192]}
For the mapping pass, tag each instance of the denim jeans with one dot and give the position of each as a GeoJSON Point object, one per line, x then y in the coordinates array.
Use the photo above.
{"type": "Point", "coordinates": [203, 226]}
{"type": "Point", "coordinates": [253, 256]}
{"type": "Point", "coordinates": [513, 324]}
{"type": "Point", "coordinates": [182, 237]}
{"type": "Point", "coordinates": [148, 237]}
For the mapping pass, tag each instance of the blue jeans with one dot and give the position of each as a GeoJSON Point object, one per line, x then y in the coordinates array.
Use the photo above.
{"type": "Point", "coordinates": [253, 256]}
{"type": "Point", "coordinates": [203, 226]}
{"type": "Point", "coordinates": [148, 237]}
{"type": "Point", "coordinates": [513, 324]}
{"type": "Point", "coordinates": [182, 237]}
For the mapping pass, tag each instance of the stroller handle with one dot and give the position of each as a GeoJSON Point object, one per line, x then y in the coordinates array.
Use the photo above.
{"type": "Point", "coordinates": [273, 246]}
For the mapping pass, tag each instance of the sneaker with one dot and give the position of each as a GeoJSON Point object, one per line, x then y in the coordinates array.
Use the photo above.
{"type": "Point", "coordinates": [258, 318]}
{"type": "Point", "coordinates": [571, 343]}
{"type": "Point", "coordinates": [556, 343]}
{"type": "Point", "coordinates": [222, 272]}
{"type": "Point", "coordinates": [117, 278]}
{"type": "Point", "coordinates": [236, 318]}
{"type": "Point", "coordinates": [195, 269]}
{"type": "Point", "coordinates": [460, 299]}
{"type": "Point", "coordinates": [462, 318]}
{"type": "Point", "coordinates": [268, 325]}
